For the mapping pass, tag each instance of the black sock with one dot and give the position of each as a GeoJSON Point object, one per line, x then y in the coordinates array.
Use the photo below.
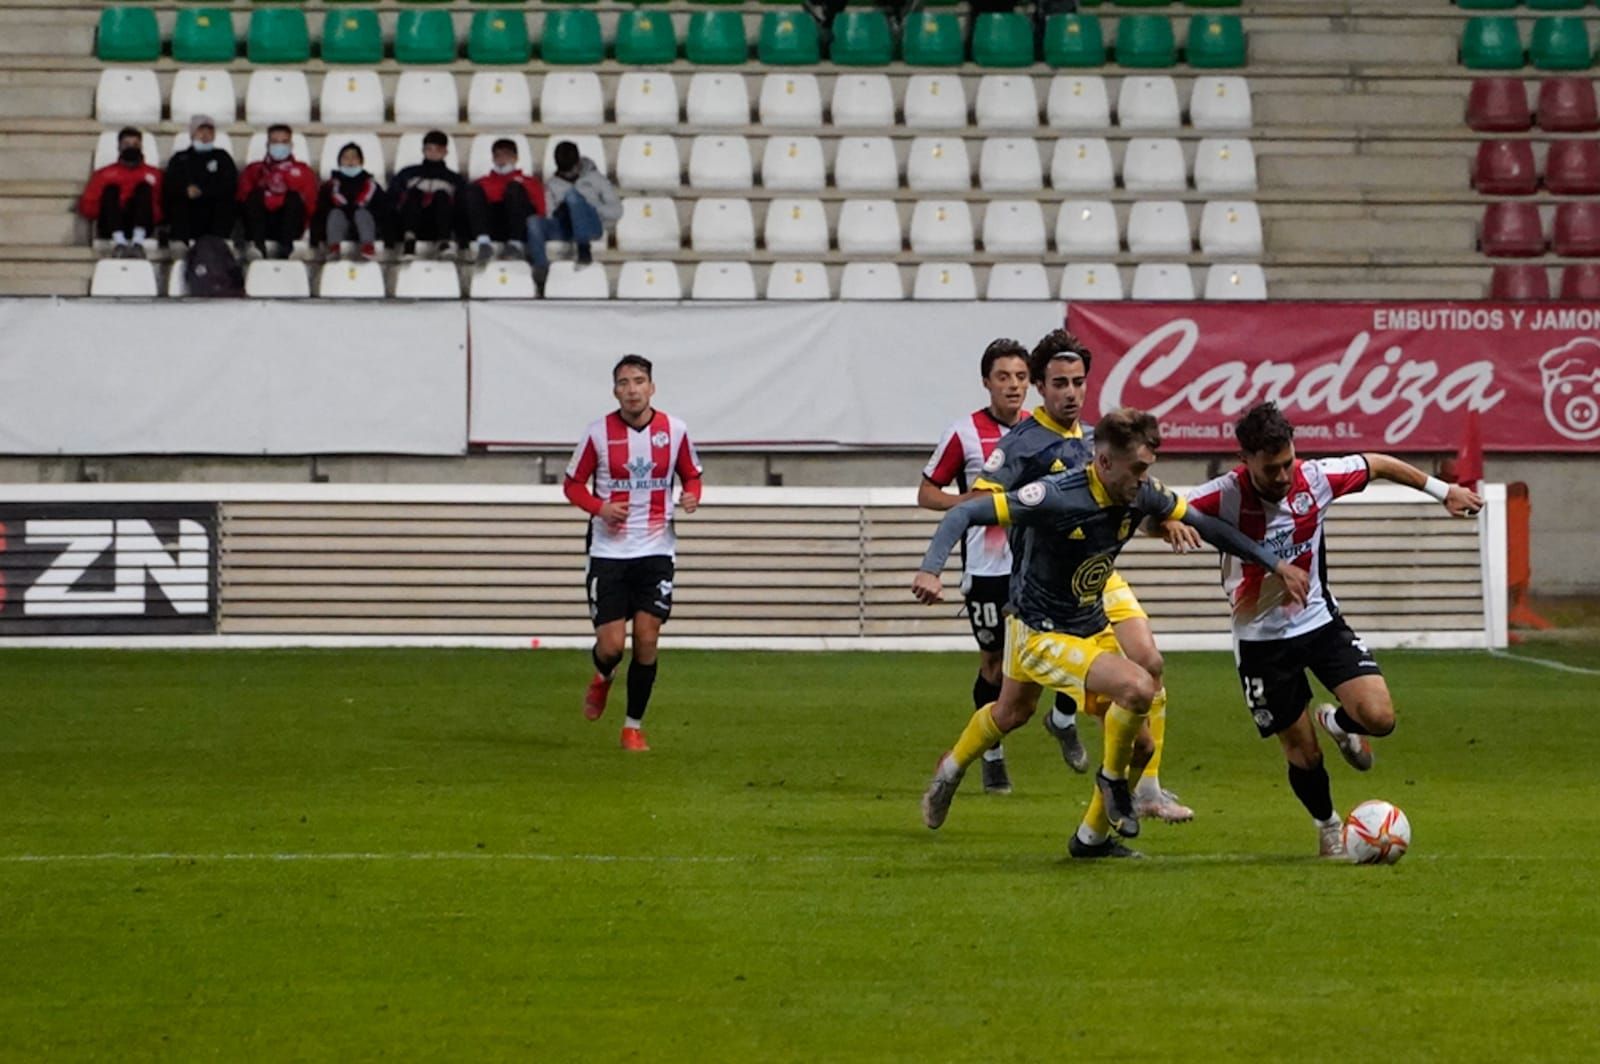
{"type": "Point", "coordinates": [984, 692]}
{"type": "Point", "coordinates": [641, 678]}
{"type": "Point", "coordinates": [601, 665]}
{"type": "Point", "coordinates": [1065, 705]}
{"type": "Point", "coordinates": [1310, 785]}
{"type": "Point", "coordinates": [1348, 723]}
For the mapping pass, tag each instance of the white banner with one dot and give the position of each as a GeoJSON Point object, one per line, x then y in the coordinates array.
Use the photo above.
{"type": "Point", "coordinates": [232, 377]}
{"type": "Point", "coordinates": [784, 374]}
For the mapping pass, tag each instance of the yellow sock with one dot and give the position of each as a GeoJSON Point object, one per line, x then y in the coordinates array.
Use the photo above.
{"type": "Point", "coordinates": [1095, 819]}
{"type": "Point", "coordinates": [1122, 728]}
{"type": "Point", "coordinates": [980, 734]}
{"type": "Point", "coordinates": [1158, 732]}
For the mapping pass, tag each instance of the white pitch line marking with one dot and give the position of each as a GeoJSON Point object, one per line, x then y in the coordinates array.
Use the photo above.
{"type": "Point", "coordinates": [684, 859]}
{"type": "Point", "coordinates": [1560, 666]}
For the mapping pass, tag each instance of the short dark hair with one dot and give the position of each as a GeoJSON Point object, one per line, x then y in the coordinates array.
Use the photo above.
{"type": "Point", "coordinates": [353, 146]}
{"type": "Point", "coordinates": [434, 136]}
{"type": "Point", "coordinates": [1263, 429]}
{"type": "Point", "coordinates": [998, 349]}
{"type": "Point", "coordinates": [634, 360]}
{"type": "Point", "coordinates": [129, 131]}
{"type": "Point", "coordinates": [1124, 429]}
{"type": "Point", "coordinates": [1058, 343]}
{"type": "Point", "coordinates": [277, 127]}
{"type": "Point", "coordinates": [567, 155]}
{"type": "Point", "coordinates": [504, 144]}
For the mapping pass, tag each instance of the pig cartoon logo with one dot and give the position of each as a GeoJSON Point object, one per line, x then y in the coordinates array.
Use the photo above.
{"type": "Point", "coordinates": [1571, 378]}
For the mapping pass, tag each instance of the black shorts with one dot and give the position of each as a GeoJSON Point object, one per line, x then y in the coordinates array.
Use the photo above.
{"type": "Point", "coordinates": [986, 604]}
{"type": "Point", "coordinates": [622, 587]}
{"type": "Point", "coordinates": [1273, 671]}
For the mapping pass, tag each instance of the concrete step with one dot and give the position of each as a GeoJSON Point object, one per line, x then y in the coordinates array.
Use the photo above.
{"type": "Point", "coordinates": [1372, 172]}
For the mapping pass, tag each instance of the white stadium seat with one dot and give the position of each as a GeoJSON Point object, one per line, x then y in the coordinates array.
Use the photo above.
{"type": "Point", "coordinates": [180, 141]}
{"type": "Point", "coordinates": [870, 227]}
{"type": "Point", "coordinates": [568, 280]}
{"type": "Point", "coordinates": [127, 97]}
{"type": "Point", "coordinates": [1007, 101]}
{"type": "Point", "coordinates": [590, 147]}
{"type": "Point", "coordinates": [123, 279]}
{"type": "Point", "coordinates": [1148, 101]}
{"type": "Point", "coordinates": [1010, 164]}
{"type": "Point", "coordinates": [408, 152]}
{"type": "Point", "coordinates": [203, 91]}
{"type": "Point", "coordinates": [862, 101]}
{"type": "Point", "coordinates": [1224, 166]}
{"type": "Point", "coordinates": [796, 227]}
{"type": "Point", "coordinates": [480, 157]}
{"type": "Point", "coordinates": [499, 98]}
{"type": "Point", "coordinates": [1091, 281]}
{"type": "Point", "coordinates": [649, 280]}
{"type": "Point", "coordinates": [798, 280]}
{"type": "Point", "coordinates": [571, 98]}
{"type": "Point", "coordinates": [649, 225]}
{"type": "Point", "coordinates": [177, 280]}
{"type": "Point", "coordinates": [1159, 227]}
{"type": "Point", "coordinates": [718, 99]}
{"type": "Point", "coordinates": [504, 280]}
{"type": "Point", "coordinates": [427, 279]}
{"type": "Point", "coordinates": [1231, 227]}
{"type": "Point", "coordinates": [256, 149]}
{"type": "Point", "coordinates": [1161, 280]}
{"type": "Point", "coordinates": [938, 164]}
{"type": "Point", "coordinates": [871, 281]}
{"type": "Point", "coordinates": [941, 227]}
{"type": "Point", "coordinates": [721, 161]}
{"type": "Point", "coordinates": [277, 96]}
{"type": "Point", "coordinates": [371, 150]}
{"type": "Point", "coordinates": [1087, 227]}
{"type": "Point", "coordinates": [1235, 281]}
{"type": "Point", "coordinates": [1220, 103]}
{"type": "Point", "coordinates": [1082, 164]}
{"type": "Point", "coordinates": [945, 280]}
{"type": "Point", "coordinates": [647, 98]}
{"type": "Point", "coordinates": [1014, 227]}
{"type": "Point", "coordinates": [866, 164]}
{"type": "Point", "coordinates": [1154, 164]}
{"type": "Point", "coordinates": [105, 149]}
{"type": "Point", "coordinates": [722, 225]}
{"type": "Point", "coordinates": [790, 101]}
{"type": "Point", "coordinates": [935, 101]}
{"type": "Point", "coordinates": [277, 279]}
{"type": "Point", "coordinates": [352, 98]}
{"type": "Point", "coordinates": [794, 164]}
{"type": "Point", "coordinates": [426, 98]}
{"type": "Point", "coordinates": [351, 280]}
{"type": "Point", "coordinates": [1078, 102]}
{"type": "Point", "coordinates": [649, 163]}
{"type": "Point", "coordinates": [1018, 280]}
{"type": "Point", "coordinates": [723, 280]}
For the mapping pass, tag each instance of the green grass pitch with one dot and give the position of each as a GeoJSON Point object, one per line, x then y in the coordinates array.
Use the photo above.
{"type": "Point", "coordinates": [431, 855]}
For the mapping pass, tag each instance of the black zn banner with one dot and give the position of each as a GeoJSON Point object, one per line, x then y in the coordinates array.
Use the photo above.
{"type": "Point", "coordinates": [108, 568]}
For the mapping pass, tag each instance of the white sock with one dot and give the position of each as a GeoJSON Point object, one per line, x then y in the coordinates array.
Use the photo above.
{"type": "Point", "coordinates": [119, 238]}
{"type": "Point", "coordinates": [1089, 836]}
{"type": "Point", "coordinates": [996, 754]}
{"type": "Point", "coordinates": [948, 769]}
{"type": "Point", "coordinates": [1063, 720]}
{"type": "Point", "coordinates": [138, 235]}
{"type": "Point", "coordinates": [1328, 823]}
{"type": "Point", "coordinates": [484, 239]}
{"type": "Point", "coordinates": [1148, 786]}
{"type": "Point", "coordinates": [632, 722]}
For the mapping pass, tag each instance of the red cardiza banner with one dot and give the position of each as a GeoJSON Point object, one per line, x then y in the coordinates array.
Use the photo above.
{"type": "Point", "coordinates": [1353, 376]}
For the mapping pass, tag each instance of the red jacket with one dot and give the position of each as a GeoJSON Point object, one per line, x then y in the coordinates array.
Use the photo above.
{"type": "Point", "coordinates": [125, 179]}
{"type": "Point", "coordinates": [279, 179]}
{"type": "Point", "coordinates": [494, 188]}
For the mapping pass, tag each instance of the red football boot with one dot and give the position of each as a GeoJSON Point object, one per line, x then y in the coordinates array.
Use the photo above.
{"type": "Point", "coordinates": [633, 739]}
{"type": "Point", "coordinates": [594, 699]}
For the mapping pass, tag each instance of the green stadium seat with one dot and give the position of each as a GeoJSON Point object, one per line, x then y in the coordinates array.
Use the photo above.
{"type": "Point", "coordinates": [861, 38]}
{"type": "Point", "coordinates": [646, 38]}
{"type": "Point", "coordinates": [352, 36]}
{"type": "Point", "coordinates": [425, 37]}
{"type": "Point", "coordinates": [1140, 3]}
{"type": "Point", "coordinates": [572, 38]}
{"type": "Point", "coordinates": [940, 3]}
{"type": "Point", "coordinates": [1002, 39]}
{"type": "Point", "coordinates": [473, 1]}
{"type": "Point", "coordinates": [278, 36]}
{"type": "Point", "coordinates": [1491, 42]}
{"type": "Point", "coordinates": [716, 38]}
{"type": "Point", "coordinates": [788, 38]}
{"type": "Point", "coordinates": [1560, 43]}
{"type": "Point", "coordinates": [1556, 5]}
{"type": "Point", "coordinates": [499, 38]}
{"type": "Point", "coordinates": [424, 1]}
{"type": "Point", "coordinates": [1486, 5]}
{"type": "Point", "coordinates": [129, 35]}
{"type": "Point", "coordinates": [716, 1]}
{"type": "Point", "coordinates": [1216, 41]}
{"type": "Point", "coordinates": [204, 35]}
{"type": "Point", "coordinates": [1213, 3]}
{"type": "Point", "coordinates": [1146, 41]}
{"type": "Point", "coordinates": [931, 39]}
{"type": "Point", "coordinates": [1074, 41]}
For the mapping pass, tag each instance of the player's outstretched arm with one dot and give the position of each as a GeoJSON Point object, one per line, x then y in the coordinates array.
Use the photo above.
{"type": "Point", "coordinates": [1460, 501]}
{"type": "Point", "coordinates": [985, 510]}
{"type": "Point", "coordinates": [1225, 537]}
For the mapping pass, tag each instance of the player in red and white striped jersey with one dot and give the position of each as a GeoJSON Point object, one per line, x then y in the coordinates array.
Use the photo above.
{"type": "Point", "coordinates": [631, 457]}
{"type": "Point", "coordinates": [1281, 501]}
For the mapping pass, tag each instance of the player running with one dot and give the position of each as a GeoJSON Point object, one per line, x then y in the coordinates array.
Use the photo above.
{"type": "Point", "coordinates": [632, 456]}
{"type": "Point", "coordinates": [1057, 634]}
{"type": "Point", "coordinates": [1280, 502]}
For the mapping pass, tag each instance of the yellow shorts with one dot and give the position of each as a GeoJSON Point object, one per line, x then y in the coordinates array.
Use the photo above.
{"type": "Point", "coordinates": [1119, 601]}
{"type": "Point", "coordinates": [1054, 659]}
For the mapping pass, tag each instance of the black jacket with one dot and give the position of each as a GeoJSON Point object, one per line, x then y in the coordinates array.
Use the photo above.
{"type": "Point", "coordinates": [423, 181]}
{"type": "Point", "coordinates": [213, 171]}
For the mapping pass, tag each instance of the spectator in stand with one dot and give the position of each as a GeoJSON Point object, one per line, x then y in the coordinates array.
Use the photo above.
{"type": "Point", "coordinates": [352, 201]}
{"type": "Point", "coordinates": [200, 187]}
{"type": "Point", "coordinates": [426, 197]}
{"type": "Point", "coordinates": [278, 194]}
{"type": "Point", "coordinates": [124, 199]}
{"type": "Point", "coordinates": [499, 204]}
{"type": "Point", "coordinates": [581, 201]}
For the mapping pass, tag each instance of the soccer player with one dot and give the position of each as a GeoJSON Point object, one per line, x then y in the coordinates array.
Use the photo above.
{"type": "Point", "coordinates": [1280, 502]}
{"type": "Point", "coordinates": [632, 456]}
{"type": "Point", "coordinates": [1057, 634]}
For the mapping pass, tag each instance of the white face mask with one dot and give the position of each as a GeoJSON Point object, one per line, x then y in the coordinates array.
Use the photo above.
{"type": "Point", "coordinates": [280, 152]}
{"type": "Point", "coordinates": [202, 146]}
{"type": "Point", "coordinates": [505, 168]}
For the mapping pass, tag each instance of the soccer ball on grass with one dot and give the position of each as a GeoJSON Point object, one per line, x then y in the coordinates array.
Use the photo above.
{"type": "Point", "coordinates": [1376, 832]}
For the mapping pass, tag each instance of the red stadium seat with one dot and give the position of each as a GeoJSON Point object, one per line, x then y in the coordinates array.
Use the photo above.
{"type": "Point", "coordinates": [1498, 105]}
{"type": "Point", "coordinates": [1573, 168]}
{"type": "Point", "coordinates": [1577, 229]}
{"type": "Point", "coordinates": [1567, 105]}
{"type": "Point", "coordinates": [1505, 168]}
{"type": "Point", "coordinates": [1519, 282]}
{"type": "Point", "coordinates": [1580, 282]}
{"type": "Point", "coordinates": [1512, 230]}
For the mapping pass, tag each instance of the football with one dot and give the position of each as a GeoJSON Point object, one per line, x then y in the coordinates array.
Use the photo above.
{"type": "Point", "coordinates": [1376, 832]}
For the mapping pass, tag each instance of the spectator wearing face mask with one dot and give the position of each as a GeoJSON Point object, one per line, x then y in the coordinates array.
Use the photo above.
{"type": "Point", "coordinates": [426, 196]}
{"type": "Point", "coordinates": [124, 198]}
{"type": "Point", "coordinates": [581, 204]}
{"type": "Point", "coordinates": [352, 201]}
{"type": "Point", "coordinates": [278, 194]}
{"type": "Point", "coordinates": [499, 204]}
{"type": "Point", "coordinates": [200, 186]}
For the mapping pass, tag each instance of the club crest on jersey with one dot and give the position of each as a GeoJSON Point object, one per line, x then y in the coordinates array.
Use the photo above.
{"type": "Point", "coordinates": [660, 439]}
{"type": "Point", "coordinates": [1126, 529]}
{"type": "Point", "coordinates": [996, 459]}
{"type": "Point", "coordinates": [641, 468]}
{"type": "Point", "coordinates": [1301, 504]}
{"type": "Point", "coordinates": [1263, 718]}
{"type": "Point", "coordinates": [1031, 494]}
